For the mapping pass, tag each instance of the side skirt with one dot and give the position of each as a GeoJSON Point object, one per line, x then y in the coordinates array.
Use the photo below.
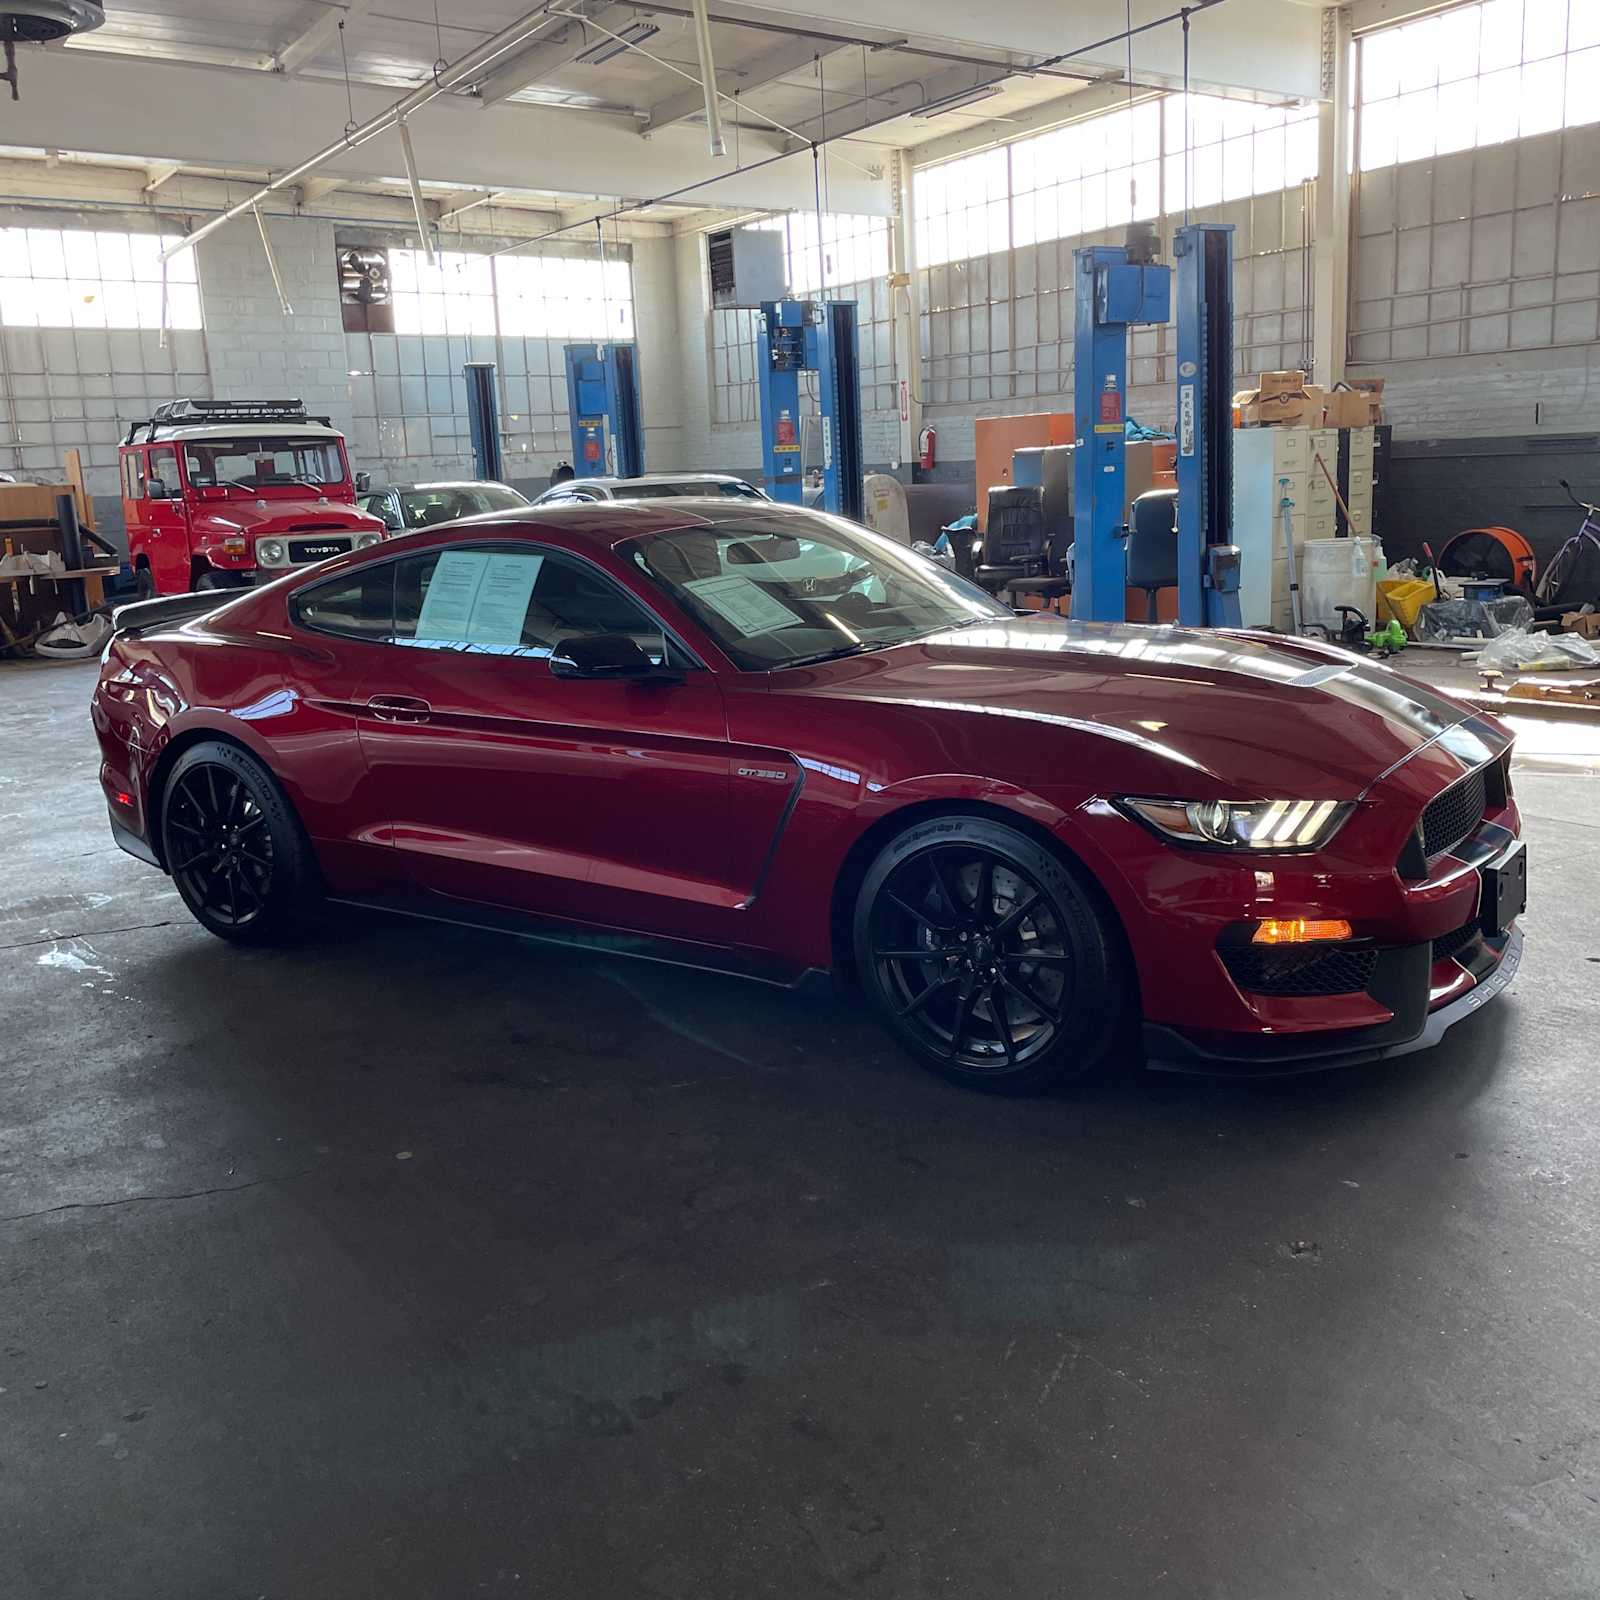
{"type": "Point", "coordinates": [720, 959]}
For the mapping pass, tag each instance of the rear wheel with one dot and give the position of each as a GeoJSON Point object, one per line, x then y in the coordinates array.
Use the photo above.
{"type": "Point", "coordinates": [234, 847]}
{"type": "Point", "coordinates": [144, 581]}
{"type": "Point", "coordinates": [987, 956]}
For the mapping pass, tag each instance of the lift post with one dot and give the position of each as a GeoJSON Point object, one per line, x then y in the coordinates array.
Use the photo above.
{"type": "Point", "coordinates": [1208, 560]}
{"type": "Point", "coordinates": [1114, 292]}
{"type": "Point", "coordinates": [483, 420]}
{"type": "Point", "coordinates": [1119, 288]}
{"type": "Point", "coordinates": [796, 336]}
{"type": "Point", "coordinates": [603, 402]}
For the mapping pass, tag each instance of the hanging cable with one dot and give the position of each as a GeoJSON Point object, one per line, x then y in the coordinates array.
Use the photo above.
{"type": "Point", "coordinates": [1188, 163]}
{"type": "Point", "coordinates": [816, 189]}
{"type": "Point", "coordinates": [439, 62]}
{"type": "Point", "coordinates": [1133, 171]}
{"type": "Point", "coordinates": [349, 98]}
{"type": "Point", "coordinates": [625, 209]}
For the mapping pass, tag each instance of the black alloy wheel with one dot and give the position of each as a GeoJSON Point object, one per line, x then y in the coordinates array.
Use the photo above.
{"type": "Point", "coordinates": [233, 845]}
{"type": "Point", "coordinates": [987, 957]}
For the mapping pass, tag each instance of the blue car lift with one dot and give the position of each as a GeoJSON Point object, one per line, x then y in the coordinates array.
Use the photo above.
{"type": "Point", "coordinates": [603, 402]}
{"type": "Point", "coordinates": [1116, 290]}
{"type": "Point", "coordinates": [796, 336]}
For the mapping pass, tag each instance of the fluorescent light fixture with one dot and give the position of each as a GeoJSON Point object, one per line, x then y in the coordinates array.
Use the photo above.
{"type": "Point", "coordinates": [954, 102]}
{"type": "Point", "coordinates": [635, 33]}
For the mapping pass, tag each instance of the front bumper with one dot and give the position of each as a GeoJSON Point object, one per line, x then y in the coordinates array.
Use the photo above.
{"type": "Point", "coordinates": [1412, 1028]}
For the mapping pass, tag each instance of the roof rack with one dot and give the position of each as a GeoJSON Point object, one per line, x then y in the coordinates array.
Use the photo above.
{"type": "Point", "coordinates": [177, 413]}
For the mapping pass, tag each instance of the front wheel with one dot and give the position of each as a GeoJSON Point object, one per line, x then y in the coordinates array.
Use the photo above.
{"type": "Point", "coordinates": [987, 956]}
{"type": "Point", "coordinates": [235, 847]}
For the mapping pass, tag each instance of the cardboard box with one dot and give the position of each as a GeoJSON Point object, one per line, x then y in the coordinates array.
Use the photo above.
{"type": "Point", "coordinates": [1357, 404]}
{"type": "Point", "coordinates": [1302, 409]}
{"type": "Point", "coordinates": [1584, 623]}
{"type": "Point", "coordinates": [1271, 383]}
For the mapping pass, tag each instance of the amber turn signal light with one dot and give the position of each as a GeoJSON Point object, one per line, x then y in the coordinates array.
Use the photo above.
{"type": "Point", "coordinates": [1301, 930]}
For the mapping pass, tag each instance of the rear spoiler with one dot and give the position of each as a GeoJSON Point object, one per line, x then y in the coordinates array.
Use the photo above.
{"type": "Point", "coordinates": [170, 611]}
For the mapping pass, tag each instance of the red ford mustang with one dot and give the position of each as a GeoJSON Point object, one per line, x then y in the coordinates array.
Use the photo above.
{"type": "Point", "coordinates": [753, 737]}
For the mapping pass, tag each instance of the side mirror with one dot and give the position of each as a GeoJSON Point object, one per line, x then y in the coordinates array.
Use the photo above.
{"type": "Point", "coordinates": [363, 482]}
{"type": "Point", "coordinates": [605, 655]}
{"type": "Point", "coordinates": [156, 489]}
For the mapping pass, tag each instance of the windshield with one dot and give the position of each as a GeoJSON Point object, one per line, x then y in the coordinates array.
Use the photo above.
{"type": "Point", "coordinates": [786, 588]}
{"type": "Point", "coordinates": [425, 508]}
{"type": "Point", "coordinates": [261, 463]}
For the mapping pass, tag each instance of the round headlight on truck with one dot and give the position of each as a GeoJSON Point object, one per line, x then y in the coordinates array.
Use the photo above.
{"type": "Point", "coordinates": [365, 541]}
{"type": "Point", "coordinates": [271, 553]}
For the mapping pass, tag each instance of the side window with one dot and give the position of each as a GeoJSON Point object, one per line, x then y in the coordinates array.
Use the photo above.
{"type": "Point", "coordinates": [512, 602]}
{"type": "Point", "coordinates": [359, 605]}
{"type": "Point", "coordinates": [162, 483]}
{"type": "Point", "coordinates": [133, 474]}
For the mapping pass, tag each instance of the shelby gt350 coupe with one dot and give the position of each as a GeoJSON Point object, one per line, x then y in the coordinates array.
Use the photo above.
{"type": "Point", "coordinates": [749, 736]}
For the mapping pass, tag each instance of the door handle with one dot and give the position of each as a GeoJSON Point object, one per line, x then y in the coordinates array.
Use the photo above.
{"type": "Point", "coordinates": [399, 708]}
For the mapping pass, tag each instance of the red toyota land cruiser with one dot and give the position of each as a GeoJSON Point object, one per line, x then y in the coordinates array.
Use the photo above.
{"type": "Point", "coordinates": [218, 494]}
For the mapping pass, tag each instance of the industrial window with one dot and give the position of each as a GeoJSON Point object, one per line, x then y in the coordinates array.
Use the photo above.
{"type": "Point", "coordinates": [963, 208]}
{"type": "Point", "coordinates": [1107, 171]}
{"type": "Point", "coordinates": [518, 294]}
{"type": "Point", "coordinates": [1103, 172]}
{"type": "Point", "coordinates": [1477, 75]}
{"type": "Point", "coordinates": [75, 278]}
{"type": "Point", "coordinates": [1232, 149]}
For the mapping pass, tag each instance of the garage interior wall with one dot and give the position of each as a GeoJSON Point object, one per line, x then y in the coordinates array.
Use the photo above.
{"type": "Point", "coordinates": [1475, 278]}
{"type": "Point", "coordinates": [399, 397]}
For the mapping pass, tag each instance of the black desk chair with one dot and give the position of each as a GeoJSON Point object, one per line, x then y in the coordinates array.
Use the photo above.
{"type": "Point", "coordinates": [1153, 546]}
{"type": "Point", "coordinates": [1017, 558]}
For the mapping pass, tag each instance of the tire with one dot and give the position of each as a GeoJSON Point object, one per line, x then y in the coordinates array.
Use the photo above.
{"type": "Point", "coordinates": [144, 583]}
{"type": "Point", "coordinates": [987, 956]}
{"type": "Point", "coordinates": [219, 580]}
{"type": "Point", "coordinates": [235, 848]}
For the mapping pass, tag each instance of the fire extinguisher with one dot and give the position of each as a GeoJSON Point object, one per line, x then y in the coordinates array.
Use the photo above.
{"type": "Point", "coordinates": [925, 448]}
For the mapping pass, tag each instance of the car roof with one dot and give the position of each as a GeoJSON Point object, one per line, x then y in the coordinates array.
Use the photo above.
{"type": "Point", "coordinates": [606, 523]}
{"type": "Point", "coordinates": [441, 483]}
{"type": "Point", "coordinates": [652, 477]}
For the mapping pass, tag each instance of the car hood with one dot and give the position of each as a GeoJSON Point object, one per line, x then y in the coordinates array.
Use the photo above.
{"type": "Point", "coordinates": [1199, 712]}
{"type": "Point", "coordinates": [252, 518]}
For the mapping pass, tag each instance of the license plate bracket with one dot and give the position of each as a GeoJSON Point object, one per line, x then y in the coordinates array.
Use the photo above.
{"type": "Point", "coordinates": [1505, 890]}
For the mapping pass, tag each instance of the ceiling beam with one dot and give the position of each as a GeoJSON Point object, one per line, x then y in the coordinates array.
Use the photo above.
{"type": "Point", "coordinates": [1090, 101]}
{"type": "Point", "coordinates": [315, 189]}
{"type": "Point", "coordinates": [557, 47]}
{"type": "Point", "coordinates": [765, 69]}
{"type": "Point", "coordinates": [852, 111]}
{"type": "Point", "coordinates": [313, 39]}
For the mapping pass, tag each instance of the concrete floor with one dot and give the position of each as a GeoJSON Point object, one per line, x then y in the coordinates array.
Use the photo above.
{"type": "Point", "coordinates": [422, 1263]}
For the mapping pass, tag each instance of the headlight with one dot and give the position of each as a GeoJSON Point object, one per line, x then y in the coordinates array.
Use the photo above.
{"type": "Point", "coordinates": [365, 541]}
{"type": "Point", "coordinates": [1243, 824]}
{"type": "Point", "coordinates": [271, 552]}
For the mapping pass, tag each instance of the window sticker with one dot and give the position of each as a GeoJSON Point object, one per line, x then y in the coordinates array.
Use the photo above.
{"type": "Point", "coordinates": [745, 604]}
{"type": "Point", "coordinates": [478, 597]}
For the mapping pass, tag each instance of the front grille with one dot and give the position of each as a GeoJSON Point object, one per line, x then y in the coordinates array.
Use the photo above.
{"type": "Point", "coordinates": [301, 549]}
{"type": "Point", "coordinates": [1300, 969]}
{"type": "Point", "coordinates": [1450, 817]}
{"type": "Point", "coordinates": [1451, 944]}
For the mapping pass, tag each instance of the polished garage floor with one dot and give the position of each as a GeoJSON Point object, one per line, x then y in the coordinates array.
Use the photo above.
{"type": "Point", "coordinates": [421, 1263]}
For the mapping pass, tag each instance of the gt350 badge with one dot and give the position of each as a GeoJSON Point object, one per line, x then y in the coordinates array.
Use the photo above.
{"type": "Point", "coordinates": [764, 772]}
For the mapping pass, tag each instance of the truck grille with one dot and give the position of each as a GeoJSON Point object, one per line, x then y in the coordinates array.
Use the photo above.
{"type": "Point", "coordinates": [1300, 969]}
{"type": "Point", "coordinates": [303, 549]}
{"type": "Point", "coordinates": [1450, 817]}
